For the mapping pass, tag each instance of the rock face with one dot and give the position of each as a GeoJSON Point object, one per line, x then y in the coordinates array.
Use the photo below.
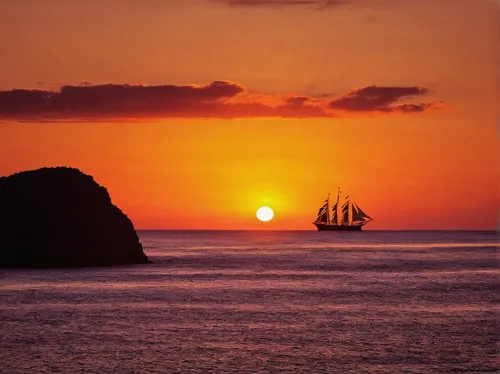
{"type": "Point", "coordinates": [60, 217]}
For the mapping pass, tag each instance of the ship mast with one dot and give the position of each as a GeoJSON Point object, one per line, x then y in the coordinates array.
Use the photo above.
{"type": "Point", "coordinates": [328, 209]}
{"type": "Point", "coordinates": [349, 212]}
{"type": "Point", "coordinates": [337, 206]}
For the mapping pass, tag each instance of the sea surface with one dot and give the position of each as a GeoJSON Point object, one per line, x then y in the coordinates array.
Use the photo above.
{"type": "Point", "coordinates": [264, 302]}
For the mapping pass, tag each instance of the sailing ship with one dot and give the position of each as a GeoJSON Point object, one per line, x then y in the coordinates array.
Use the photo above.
{"type": "Point", "coordinates": [341, 217]}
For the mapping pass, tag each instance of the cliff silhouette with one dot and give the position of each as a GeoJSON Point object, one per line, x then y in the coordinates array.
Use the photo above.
{"type": "Point", "coordinates": [60, 217]}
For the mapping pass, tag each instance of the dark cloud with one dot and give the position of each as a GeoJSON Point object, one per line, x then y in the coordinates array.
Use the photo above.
{"type": "Point", "coordinates": [297, 101]}
{"type": "Point", "coordinates": [383, 99]}
{"type": "Point", "coordinates": [409, 108]}
{"type": "Point", "coordinates": [218, 99]}
{"type": "Point", "coordinates": [111, 100]}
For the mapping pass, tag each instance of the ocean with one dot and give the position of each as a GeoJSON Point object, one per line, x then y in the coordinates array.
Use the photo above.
{"type": "Point", "coordinates": [264, 302]}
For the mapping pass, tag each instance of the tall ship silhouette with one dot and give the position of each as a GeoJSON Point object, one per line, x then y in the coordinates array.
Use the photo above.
{"type": "Point", "coordinates": [341, 217]}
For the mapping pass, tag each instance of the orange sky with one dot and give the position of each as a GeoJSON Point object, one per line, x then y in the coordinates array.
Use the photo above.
{"type": "Point", "coordinates": [429, 165]}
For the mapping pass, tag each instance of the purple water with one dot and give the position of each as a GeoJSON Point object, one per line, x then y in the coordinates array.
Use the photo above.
{"type": "Point", "coordinates": [264, 302]}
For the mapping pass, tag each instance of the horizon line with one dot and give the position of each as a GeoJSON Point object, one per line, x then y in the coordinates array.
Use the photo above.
{"type": "Point", "coordinates": [369, 230]}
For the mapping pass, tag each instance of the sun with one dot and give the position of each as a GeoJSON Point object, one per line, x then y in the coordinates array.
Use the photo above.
{"type": "Point", "coordinates": [265, 214]}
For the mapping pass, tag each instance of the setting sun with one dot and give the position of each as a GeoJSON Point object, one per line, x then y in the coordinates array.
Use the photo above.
{"type": "Point", "coordinates": [265, 214]}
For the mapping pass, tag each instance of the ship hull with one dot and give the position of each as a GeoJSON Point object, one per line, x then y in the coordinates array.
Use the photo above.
{"type": "Point", "coordinates": [326, 227]}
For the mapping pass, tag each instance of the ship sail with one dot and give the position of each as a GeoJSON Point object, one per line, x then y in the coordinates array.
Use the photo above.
{"type": "Point", "coordinates": [334, 214]}
{"type": "Point", "coordinates": [350, 213]}
{"type": "Point", "coordinates": [359, 215]}
{"type": "Point", "coordinates": [323, 213]}
{"type": "Point", "coordinates": [324, 216]}
{"type": "Point", "coordinates": [345, 213]}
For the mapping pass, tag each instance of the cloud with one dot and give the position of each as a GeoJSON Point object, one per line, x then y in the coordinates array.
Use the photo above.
{"type": "Point", "coordinates": [219, 99]}
{"type": "Point", "coordinates": [382, 99]}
